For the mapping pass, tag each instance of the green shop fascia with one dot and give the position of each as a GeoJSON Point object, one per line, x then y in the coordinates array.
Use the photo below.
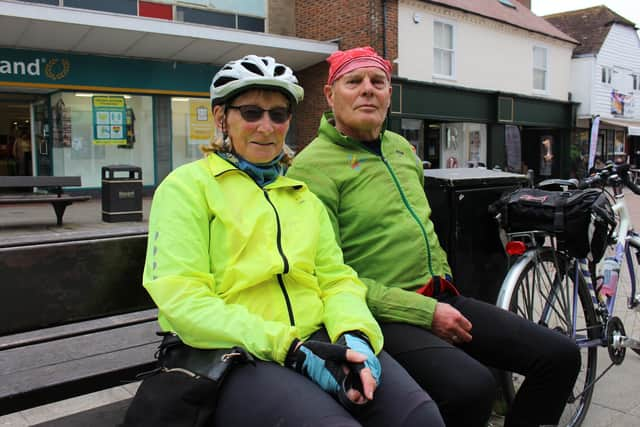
{"type": "Point", "coordinates": [62, 132]}
{"type": "Point", "coordinates": [536, 118]}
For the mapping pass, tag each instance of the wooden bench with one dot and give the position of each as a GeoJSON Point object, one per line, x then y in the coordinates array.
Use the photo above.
{"type": "Point", "coordinates": [74, 319]}
{"type": "Point", "coordinates": [52, 184]}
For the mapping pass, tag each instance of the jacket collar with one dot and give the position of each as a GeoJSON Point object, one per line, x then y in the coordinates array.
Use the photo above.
{"type": "Point", "coordinates": [219, 166]}
{"type": "Point", "coordinates": [328, 130]}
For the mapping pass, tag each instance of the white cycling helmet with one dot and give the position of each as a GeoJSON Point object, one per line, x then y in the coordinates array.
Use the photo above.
{"type": "Point", "coordinates": [250, 72]}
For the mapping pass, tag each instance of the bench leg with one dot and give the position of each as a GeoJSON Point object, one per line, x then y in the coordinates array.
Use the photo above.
{"type": "Point", "coordinates": [59, 207]}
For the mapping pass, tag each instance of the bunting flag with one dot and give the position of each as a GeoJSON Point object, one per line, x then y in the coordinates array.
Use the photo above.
{"type": "Point", "coordinates": [593, 142]}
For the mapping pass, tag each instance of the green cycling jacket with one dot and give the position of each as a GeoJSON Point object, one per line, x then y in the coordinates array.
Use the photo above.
{"type": "Point", "coordinates": [229, 263]}
{"type": "Point", "coordinates": [380, 215]}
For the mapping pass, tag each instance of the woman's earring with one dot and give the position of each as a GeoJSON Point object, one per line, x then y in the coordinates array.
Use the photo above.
{"type": "Point", "coordinates": [226, 143]}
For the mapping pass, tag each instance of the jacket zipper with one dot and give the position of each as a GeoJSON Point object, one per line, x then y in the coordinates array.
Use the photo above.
{"type": "Point", "coordinates": [411, 211]}
{"type": "Point", "coordinates": [284, 260]}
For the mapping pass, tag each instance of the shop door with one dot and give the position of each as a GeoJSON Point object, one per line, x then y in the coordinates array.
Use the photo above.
{"type": "Point", "coordinates": [21, 116]}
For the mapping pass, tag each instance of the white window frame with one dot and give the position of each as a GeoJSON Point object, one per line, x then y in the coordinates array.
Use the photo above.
{"type": "Point", "coordinates": [606, 75]}
{"type": "Point", "coordinates": [545, 89]}
{"type": "Point", "coordinates": [451, 24]}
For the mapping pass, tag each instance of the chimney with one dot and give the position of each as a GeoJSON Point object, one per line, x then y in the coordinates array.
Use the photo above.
{"type": "Point", "coordinates": [525, 3]}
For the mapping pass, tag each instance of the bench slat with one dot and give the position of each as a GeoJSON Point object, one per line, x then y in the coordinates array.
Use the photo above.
{"type": "Point", "coordinates": [75, 329]}
{"type": "Point", "coordinates": [39, 181]}
{"type": "Point", "coordinates": [40, 198]}
{"type": "Point", "coordinates": [40, 373]}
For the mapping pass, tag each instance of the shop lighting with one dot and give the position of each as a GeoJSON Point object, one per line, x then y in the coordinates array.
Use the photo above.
{"type": "Point", "coordinates": [180, 99]}
{"type": "Point", "coordinates": [89, 95]}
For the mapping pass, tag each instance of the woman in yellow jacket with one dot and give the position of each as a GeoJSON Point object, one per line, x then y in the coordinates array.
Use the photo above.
{"type": "Point", "coordinates": [242, 257]}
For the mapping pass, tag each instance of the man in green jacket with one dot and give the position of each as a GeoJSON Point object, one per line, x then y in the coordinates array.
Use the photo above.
{"type": "Point", "coordinates": [371, 182]}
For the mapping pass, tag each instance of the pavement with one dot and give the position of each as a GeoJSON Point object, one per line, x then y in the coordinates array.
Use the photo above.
{"type": "Point", "coordinates": [616, 400]}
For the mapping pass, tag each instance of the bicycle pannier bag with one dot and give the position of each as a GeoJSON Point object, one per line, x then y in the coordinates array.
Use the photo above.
{"type": "Point", "coordinates": [580, 219]}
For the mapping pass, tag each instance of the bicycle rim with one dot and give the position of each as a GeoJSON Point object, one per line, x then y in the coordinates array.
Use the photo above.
{"type": "Point", "coordinates": [543, 294]}
{"type": "Point", "coordinates": [630, 317]}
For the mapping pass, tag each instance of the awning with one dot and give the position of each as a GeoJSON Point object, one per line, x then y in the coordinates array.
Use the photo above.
{"type": "Point", "coordinates": [54, 28]}
{"type": "Point", "coordinates": [633, 126]}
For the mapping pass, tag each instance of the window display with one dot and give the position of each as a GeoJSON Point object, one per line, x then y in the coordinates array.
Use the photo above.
{"type": "Point", "coordinates": [90, 130]}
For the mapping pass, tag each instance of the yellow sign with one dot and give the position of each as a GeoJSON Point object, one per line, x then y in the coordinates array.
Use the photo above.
{"type": "Point", "coordinates": [200, 122]}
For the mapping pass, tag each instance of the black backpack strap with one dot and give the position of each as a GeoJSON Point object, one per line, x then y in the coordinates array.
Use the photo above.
{"type": "Point", "coordinates": [559, 221]}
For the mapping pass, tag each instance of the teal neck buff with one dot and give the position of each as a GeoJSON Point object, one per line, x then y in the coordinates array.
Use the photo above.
{"type": "Point", "coordinates": [262, 173]}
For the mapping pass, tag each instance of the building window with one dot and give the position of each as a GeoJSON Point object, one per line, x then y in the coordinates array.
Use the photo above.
{"type": "Point", "coordinates": [51, 2]}
{"type": "Point", "coordinates": [606, 75]}
{"type": "Point", "coordinates": [251, 24]}
{"type": "Point", "coordinates": [443, 49]}
{"type": "Point", "coordinates": [636, 81]}
{"type": "Point", "coordinates": [127, 7]}
{"type": "Point", "coordinates": [540, 68]}
{"type": "Point", "coordinates": [205, 17]}
{"type": "Point", "coordinates": [507, 3]}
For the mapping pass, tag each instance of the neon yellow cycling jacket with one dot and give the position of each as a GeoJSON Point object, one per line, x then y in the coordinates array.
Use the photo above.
{"type": "Point", "coordinates": [229, 263]}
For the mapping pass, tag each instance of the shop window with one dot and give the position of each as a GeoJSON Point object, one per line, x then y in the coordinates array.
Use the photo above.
{"type": "Point", "coordinates": [155, 10]}
{"type": "Point", "coordinates": [251, 24]}
{"type": "Point", "coordinates": [606, 75]}
{"type": "Point", "coordinates": [79, 145]}
{"type": "Point", "coordinates": [540, 68]}
{"type": "Point", "coordinates": [205, 17]}
{"type": "Point", "coordinates": [192, 126]}
{"type": "Point", "coordinates": [443, 49]}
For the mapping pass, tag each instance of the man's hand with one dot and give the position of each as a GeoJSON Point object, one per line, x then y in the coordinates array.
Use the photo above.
{"type": "Point", "coordinates": [450, 325]}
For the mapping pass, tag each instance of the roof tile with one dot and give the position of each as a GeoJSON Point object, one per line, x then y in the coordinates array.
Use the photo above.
{"type": "Point", "coordinates": [589, 26]}
{"type": "Point", "coordinates": [520, 16]}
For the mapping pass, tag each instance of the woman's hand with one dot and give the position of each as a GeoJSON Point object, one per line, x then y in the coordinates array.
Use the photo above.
{"type": "Point", "coordinates": [368, 370]}
{"type": "Point", "coordinates": [332, 367]}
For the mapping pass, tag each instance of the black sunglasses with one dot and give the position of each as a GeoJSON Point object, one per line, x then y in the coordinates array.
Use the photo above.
{"type": "Point", "coordinates": [253, 113]}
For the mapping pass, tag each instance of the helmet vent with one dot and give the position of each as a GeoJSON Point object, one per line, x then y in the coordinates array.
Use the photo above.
{"type": "Point", "coordinates": [253, 68]}
{"type": "Point", "coordinates": [223, 81]}
{"type": "Point", "coordinates": [279, 70]}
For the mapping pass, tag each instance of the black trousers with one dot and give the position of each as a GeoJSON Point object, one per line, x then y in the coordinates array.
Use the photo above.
{"type": "Point", "coordinates": [458, 378]}
{"type": "Point", "coordinates": [270, 395]}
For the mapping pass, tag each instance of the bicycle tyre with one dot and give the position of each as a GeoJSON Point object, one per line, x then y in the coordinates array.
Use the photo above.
{"type": "Point", "coordinates": [526, 298]}
{"type": "Point", "coordinates": [630, 317]}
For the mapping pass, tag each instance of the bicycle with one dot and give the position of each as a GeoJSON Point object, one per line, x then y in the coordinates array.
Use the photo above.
{"type": "Point", "coordinates": [548, 286]}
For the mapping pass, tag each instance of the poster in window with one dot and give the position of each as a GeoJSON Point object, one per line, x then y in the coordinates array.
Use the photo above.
{"type": "Point", "coordinates": [513, 149]}
{"type": "Point", "coordinates": [109, 125]}
{"type": "Point", "coordinates": [200, 122]}
{"type": "Point", "coordinates": [546, 155]}
{"type": "Point", "coordinates": [474, 146]}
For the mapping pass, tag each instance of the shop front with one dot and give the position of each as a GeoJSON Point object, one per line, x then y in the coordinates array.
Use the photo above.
{"type": "Point", "coordinates": [66, 114]}
{"type": "Point", "coordinates": [453, 127]}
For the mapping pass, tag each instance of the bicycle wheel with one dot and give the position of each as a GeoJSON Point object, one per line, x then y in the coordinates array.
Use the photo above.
{"type": "Point", "coordinates": [543, 293]}
{"type": "Point", "coordinates": [630, 317]}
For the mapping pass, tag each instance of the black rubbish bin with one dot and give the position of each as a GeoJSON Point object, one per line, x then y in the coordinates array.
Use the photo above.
{"type": "Point", "coordinates": [459, 200]}
{"type": "Point", "coordinates": [121, 193]}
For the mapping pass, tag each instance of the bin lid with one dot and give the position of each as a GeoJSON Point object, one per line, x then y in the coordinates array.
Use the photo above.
{"type": "Point", "coordinates": [473, 177]}
{"type": "Point", "coordinates": [120, 168]}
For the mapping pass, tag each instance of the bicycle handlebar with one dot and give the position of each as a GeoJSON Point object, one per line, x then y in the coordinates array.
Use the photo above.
{"type": "Point", "coordinates": [611, 170]}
